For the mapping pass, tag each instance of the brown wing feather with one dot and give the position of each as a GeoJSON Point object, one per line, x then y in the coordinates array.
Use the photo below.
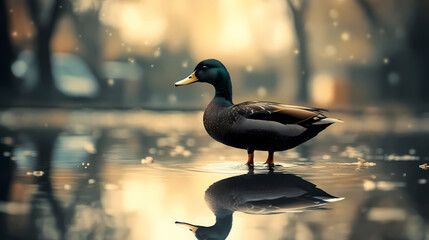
{"type": "Point", "coordinates": [285, 114]}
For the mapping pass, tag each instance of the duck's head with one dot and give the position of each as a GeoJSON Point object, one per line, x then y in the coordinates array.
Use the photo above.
{"type": "Point", "coordinates": [213, 72]}
{"type": "Point", "coordinates": [219, 231]}
{"type": "Point", "coordinates": [210, 71]}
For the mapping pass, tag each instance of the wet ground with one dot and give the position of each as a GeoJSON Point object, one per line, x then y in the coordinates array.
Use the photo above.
{"type": "Point", "coordinates": [133, 174]}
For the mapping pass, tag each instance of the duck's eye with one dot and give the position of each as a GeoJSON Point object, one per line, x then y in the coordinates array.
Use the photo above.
{"type": "Point", "coordinates": [204, 68]}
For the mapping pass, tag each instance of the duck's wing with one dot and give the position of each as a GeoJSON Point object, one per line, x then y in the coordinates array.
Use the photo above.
{"type": "Point", "coordinates": [285, 114]}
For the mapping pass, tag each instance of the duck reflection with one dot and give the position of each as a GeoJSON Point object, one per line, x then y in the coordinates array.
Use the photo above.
{"type": "Point", "coordinates": [270, 193]}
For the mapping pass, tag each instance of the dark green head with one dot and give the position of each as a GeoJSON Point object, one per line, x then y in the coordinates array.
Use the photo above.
{"type": "Point", "coordinates": [213, 72]}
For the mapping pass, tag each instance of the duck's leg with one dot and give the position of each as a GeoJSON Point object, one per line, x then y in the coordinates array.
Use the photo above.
{"type": "Point", "coordinates": [249, 158]}
{"type": "Point", "coordinates": [270, 159]}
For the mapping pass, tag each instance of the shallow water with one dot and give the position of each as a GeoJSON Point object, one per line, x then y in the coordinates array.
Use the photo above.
{"type": "Point", "coordinates": [133, 174]}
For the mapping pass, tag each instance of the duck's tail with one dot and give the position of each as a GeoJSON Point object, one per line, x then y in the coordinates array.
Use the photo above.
{"type": "Point", "coordinates": [325, 121]}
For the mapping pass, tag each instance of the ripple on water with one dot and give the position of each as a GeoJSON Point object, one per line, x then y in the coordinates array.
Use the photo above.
{"type": "Point", "coordinates": [220, 167]}
{"type": "Point", "coordinates": [236, 167]}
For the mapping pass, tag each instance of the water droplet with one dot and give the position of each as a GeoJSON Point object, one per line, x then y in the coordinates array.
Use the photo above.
{"type": "Point", "coordinates": [147, 160]}
{"type": "Point", "coordinates": [190, 142]}
{"type": "Point", "coordinates": [386, 60]}
{"type": "Point", "coordinates": [179, 149]}
{"type": "Point", "coordinates": [187, 153]}
{"type": "Point", "coordinates": [38, 173]}
{"type": "Point", "coordinates": [91, 181]}
{"type": "Point", "coordinates": [152, 150]}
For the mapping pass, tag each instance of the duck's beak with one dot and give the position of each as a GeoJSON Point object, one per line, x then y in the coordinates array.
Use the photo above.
{"type": "Point", "coordinates": [191, 79]}
{"type": "Point", "coordinates": [188, 226]}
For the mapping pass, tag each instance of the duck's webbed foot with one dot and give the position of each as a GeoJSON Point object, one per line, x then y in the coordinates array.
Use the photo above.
{"type": "Point", "coordinates": [270, 159]}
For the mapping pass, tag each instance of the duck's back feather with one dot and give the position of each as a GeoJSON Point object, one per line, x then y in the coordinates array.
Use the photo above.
{"type": "Point", "coordinates": [281, 113]}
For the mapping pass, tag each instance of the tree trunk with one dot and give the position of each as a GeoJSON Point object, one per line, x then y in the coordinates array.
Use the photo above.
{"type": "Point", "coordinates": [303, 64]}
{"type": "Point", "coordinates": [45, 90]}
{"type": "Point", "coordinates": [6, 57]}
{"type": "Point", "coordinates": [45, 87]}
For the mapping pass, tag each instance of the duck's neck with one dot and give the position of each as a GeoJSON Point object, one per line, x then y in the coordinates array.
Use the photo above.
{"type": "Point", "coordinates": [223, 225]}
{"type": "Point", "coordinates": [223, 91]}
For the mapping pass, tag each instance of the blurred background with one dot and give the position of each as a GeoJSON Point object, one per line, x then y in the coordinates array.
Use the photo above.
{"type": "Point", "coordinates": [128, 54]}
{"type": "Point", "coordinates": [97, 143]}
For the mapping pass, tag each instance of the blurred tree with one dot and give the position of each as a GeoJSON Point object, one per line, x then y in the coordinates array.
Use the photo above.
{"type": "Point", "coordinates": [45, 15]}
{"type": "Point", "coordinates": [405, 76]}
{"type": "Point", "coordinates": [298, 9]}
{"type": "Point", "coordinates": [86, 21]}
{"type": "Point", "coordinates": [6, 57]}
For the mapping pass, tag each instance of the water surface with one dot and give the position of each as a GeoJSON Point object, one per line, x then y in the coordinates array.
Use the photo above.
{"type": "Point", "coordinates": [133, 174]}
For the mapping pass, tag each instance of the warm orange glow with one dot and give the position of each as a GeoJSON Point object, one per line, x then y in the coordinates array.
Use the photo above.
{"type": "Point", "coordinates": [323, 89]}
{"type": "Point", "coordinates": [237, 31]}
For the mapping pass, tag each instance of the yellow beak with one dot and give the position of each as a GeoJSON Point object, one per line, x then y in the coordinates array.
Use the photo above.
{"type": "Point", "coordinates": [188, 226]}
{"type": "Point", "coordinates": [191, 79]}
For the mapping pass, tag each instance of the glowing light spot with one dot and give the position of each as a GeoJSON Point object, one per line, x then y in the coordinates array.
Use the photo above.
{"type": "Point", "coordinates": [422, 181]}
{"type": "Point", "coordinates": [19, 68]}
{"type": "Point", "coordinates": [384, 214]}
{"type": "Point", "coordinates": [330, 50]}
{"type": "Point", "coordinates": [157, 53]}
{"type": "Point", "coordinates": [147, 160]}
{"type": "Point", "coordinates": [345, 36]}
{"type": "Point", "coordinates": [38, 173]}
{"type": "Point", "coordinates": [90, 148]}
{"type": "Point", "coordinates": [172, 98]}
{"type": "Point", "coordinates": [7, 140]}
{"type": "Point", "coordinates": [261, 92]}
{"type": "Point", "coordinates": [323, 84]}
{"type": "Point", "coordinates": [111, 82]}
{"type": "Point", "coordinates": [385, 60]}
{"type": "Point", "coordinates": [333, 14]}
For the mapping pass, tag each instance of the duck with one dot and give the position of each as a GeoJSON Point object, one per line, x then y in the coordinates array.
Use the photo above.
{"type": "Point", "coordinates": [260, 194]}
{"type": "Point", "coordinates": [254, 125]}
